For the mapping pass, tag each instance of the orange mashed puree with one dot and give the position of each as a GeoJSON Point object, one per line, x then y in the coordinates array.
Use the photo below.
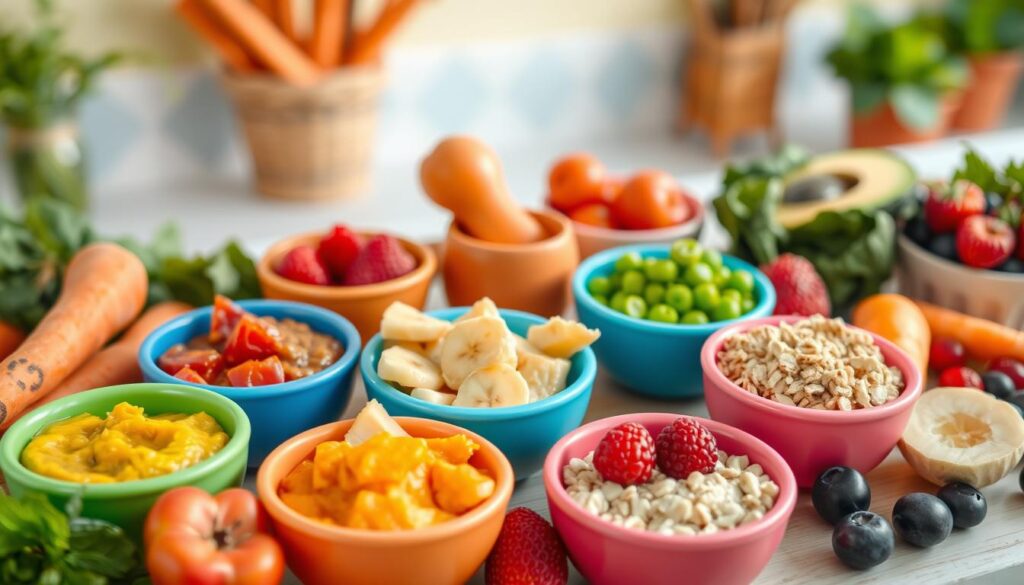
{"type": "Point", "coordinates": [387, 482]}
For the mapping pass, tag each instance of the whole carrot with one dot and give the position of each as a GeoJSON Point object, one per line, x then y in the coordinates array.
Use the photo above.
{"type": "Point", "coordinates": [367, 45]}
{"type": "Point", "coordinates": [104, 289]}
{"type": "Point", "coordinates": [983, 339]}
{"type": "Point", "coordinates": [192, 12]}
{"type": "Point", "coordinates": [329, 23]}
{"type": "Point", "coordinates": [10, 338]}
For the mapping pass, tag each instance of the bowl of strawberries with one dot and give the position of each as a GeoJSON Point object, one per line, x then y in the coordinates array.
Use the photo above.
{"type": "Point", "coordinates": [965, 248]}
{"type": "Point", "coordinates": [355, 274]}
{"type": "Point", "coordinates": [609, 211]}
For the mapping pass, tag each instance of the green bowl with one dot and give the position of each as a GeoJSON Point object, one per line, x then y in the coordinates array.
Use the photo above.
{"type": "Point", "coordinates": [127, 503]}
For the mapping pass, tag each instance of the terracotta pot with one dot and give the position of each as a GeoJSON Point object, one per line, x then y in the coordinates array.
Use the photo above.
{"type": "Point", "coordinates": [881, 126]}
{"type": "Point", "coordinates": [994, 78]}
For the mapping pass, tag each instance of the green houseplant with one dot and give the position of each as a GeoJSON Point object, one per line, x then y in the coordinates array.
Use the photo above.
{"type": "Point", "coordinates": [904, 78]}
{"type": "Point", "coordinates": [41, 86]}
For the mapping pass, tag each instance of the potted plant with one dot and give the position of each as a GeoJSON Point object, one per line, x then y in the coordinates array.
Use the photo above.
{"type": "Point", "coordinates": [991, 34]}
{"type": "Point", "coordinates": [904, 80]}
{"type": "Point", "coordinates": [40, 87]}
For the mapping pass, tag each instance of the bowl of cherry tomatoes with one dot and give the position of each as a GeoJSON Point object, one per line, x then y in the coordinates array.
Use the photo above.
{"type": "Point", "coordinates": [608, 211]}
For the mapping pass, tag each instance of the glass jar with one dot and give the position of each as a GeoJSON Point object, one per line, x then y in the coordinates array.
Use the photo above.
{"type": "Point", "coordinates": [48, 161]}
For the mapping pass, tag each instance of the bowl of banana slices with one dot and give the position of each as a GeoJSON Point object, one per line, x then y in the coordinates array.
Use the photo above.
{"type": "Point", "coordinates": [516, 379]}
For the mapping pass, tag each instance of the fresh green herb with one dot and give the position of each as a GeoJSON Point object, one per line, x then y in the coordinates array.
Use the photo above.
{"type": "Point", "coordinates": [789, 158]}
{"type": "Point", "coordinates": [1007, 183]}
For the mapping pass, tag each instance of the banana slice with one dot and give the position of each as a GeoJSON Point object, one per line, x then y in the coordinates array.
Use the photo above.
{"type": "Point", "coordinates": [485, 307]}
{"type": "Point", "coordinates": [428, 349]}
{"type": "Point", "coordinates": [493, 386]}
{"type": "Point", "coordinates": [408, 368]}
{"type": "Point", "coordinates": [433, 396]}
{"type": "Point", "coordinates": [544, 375]}
{"type": "Point", "coordinates": [371, 421]}
{"type": "Point", "coordinates": [561, 338]}
{"type": "Point", "coordinates": [404, 323]}
{"type": "Point", "coordinates": [473, 344]}
{"type": "Point", "coordinates": [963, 434]}
{"type": "Point", "coordinates": [524, 347]}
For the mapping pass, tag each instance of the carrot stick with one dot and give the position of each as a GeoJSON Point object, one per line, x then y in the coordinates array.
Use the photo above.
{"type": "Point", "coordinates": [208, 28]}
{"type": "Point", "coordinates": [329, 23]}
{"type": "Point", "coordinates": [104, 289]}
{"type": "Point", "coordinates": [983, 339]}
{"type": "Point", "coordinates": [367, 45]}
{"type": "Point", "coordinates": [117, 363]}
{"type": "Point", "coordinates": [266, 7]}
{"type": "Point", "coordinates": [259, 37]}
{"type": "Point", "coordinates": [284, 18]}
{"type": "Point", "coordinates": [10, 338]}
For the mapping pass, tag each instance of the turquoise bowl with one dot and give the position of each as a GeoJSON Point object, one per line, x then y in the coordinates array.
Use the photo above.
{"type": "Point", "coordinates": [523, 433]}
{"type": "Point", "coordinates": [661, 360]}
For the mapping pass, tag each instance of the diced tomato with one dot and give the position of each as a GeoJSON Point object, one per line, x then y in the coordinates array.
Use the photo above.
{"type": "Point", "coordinates": [226, 315]}
{"type": "Point", "coordinates": [189, 375]}
{"type": "Point", "coordinates": [257, 373]}
{"type": "Point", "coordinates": [250, 340]}
{"type": "Point", "coordinates": [207, 363]}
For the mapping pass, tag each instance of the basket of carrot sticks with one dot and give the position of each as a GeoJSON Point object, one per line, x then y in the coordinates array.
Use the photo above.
{"type": "Point", "coordinates": [306, 101]}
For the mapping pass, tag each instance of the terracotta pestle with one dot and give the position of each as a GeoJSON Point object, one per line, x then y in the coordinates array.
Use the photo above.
{"type": "Point", "coordinates": [464, 175]}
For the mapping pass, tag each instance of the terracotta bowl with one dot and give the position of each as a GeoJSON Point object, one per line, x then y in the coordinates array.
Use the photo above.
{"type": "Point", "coordinates": [531, 277]}
{"type": "Point", "coordinates": [447, 553]}
{"type": "Point", "coordinates": [362, 305]}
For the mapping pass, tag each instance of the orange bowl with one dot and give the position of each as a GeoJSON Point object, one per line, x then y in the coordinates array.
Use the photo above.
{"type": "Point", "coordinates": [363, 305]}
{"type": "Point", "coordinates": [321, 554]}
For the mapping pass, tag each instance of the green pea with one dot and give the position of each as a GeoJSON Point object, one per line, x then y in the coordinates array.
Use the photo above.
{"type": "Point", "coordinates": [722, 275]}
{"type": "Point", "coordinates": [618, 302]}
{"type": "Point", "coordinates": [635, 307]}
{"type": "Point", "coordinates": [663, 314]}
{"type": "Point", "coordinates": [662, 271]}
{"type": "Point", "coordinates": [615, 280]}
{"type": "Point", "coordinates": [747, 305]}
{"type": "Point", "coordinates": [698, 274]}
{"type": "Point", "coordinates": [601, 299]}
{"type": "Point", "coordinates": [686, 251]}
{"type": "Point", "coordinates": [599, 285]}
{"type": "Point", "coordinates": [742, 281]}
{"type": "Point", "coordinates": [711, 257]}
{"type": "Point", "coordinates": [694, 318]}
{"type": "Point", "coordinates": [730, 295]}
{"type": "Point", "coordinates": [633, 282]}
{"type": "Point", "coordinates": [629, 261]}
{"type": "Point", "coordinates": [654, 293]}
{"type": "Point", "coordinates": [679, 297]}
{"type": "Point", "coordinates": [726, 309]}
{"type": "Point", "coordinates": [706, 297]}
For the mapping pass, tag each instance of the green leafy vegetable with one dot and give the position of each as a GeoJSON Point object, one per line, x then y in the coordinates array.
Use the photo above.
{"type": "Point", "coordinates": [1008, 183]}
{"type": "Point", "coordinates": [985, 26]}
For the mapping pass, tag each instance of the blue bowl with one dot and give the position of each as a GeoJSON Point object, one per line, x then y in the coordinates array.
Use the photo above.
{"type": "Point", "coordinates": [523, 433]}
{"type": "Point", "coordinates": [278, 411]}
{"type": "Point", "coordinates": [661, 360]}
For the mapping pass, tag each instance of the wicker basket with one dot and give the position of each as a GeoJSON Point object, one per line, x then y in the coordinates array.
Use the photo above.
{"type": "Point", "coordinates": [309, 143]}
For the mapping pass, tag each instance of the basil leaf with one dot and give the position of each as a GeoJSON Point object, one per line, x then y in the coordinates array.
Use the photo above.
{"type": "Point", "coordinates": [101, 548]}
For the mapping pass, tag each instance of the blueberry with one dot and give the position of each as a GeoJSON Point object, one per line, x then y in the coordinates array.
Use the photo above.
{"type": "Point", "coordinates": [965, 502]}
{"type": "Point", "coordinates": [1020, 480]}
{"type": "Point", "coordinates": [922, 519]}
{"type": "Point", "coordinates": [999, 385]}
{"type": "Point", "coordinates": [1013, 265]}
{"type": "Point", "coordinates": [917, 230]}
{"type": "Point", "coordinates": [862, 540]}
{"type": "Point", "coordinates": [839, 491]}
{"type": "Point", "coordinates": [944, 245]}
{"type": "Point", "coordinates": [992, 201]}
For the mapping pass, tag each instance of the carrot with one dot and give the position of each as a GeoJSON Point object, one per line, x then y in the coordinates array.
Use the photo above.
{"type": "Point", "coordinates": [367, 45]}
{"type": "Point", "coordinates": [897, 318]}
{"type": "Point", "coordinates": [268, 45]}
{"type": "Point", "coordinates": [284, 18]}
{"type": "Point", "coordinates": [117, 363]}
{"type": "Point", "coordinates": [266, 7]}
{"type": "Point", "coordinates": [212, 32]}
{"type": "Point", "coordinates": [329, 23]}
{"type": "Point", "coordinates": [104, 289]}
{"type": "Point", "coordinates": [10, 338]}
{"type": "Point", "coordinates": [983, 339]}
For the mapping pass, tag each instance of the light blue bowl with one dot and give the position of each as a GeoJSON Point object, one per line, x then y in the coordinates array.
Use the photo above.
{"type": "Point", "coordinates": [655, 359]}
{"type": "Point", "coordinates": [279, 411]}
{"type": "Point", "coordinates": [523, 433]}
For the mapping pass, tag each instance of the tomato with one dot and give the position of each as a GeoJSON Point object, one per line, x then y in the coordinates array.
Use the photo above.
{"type": "Point", "coordinates": [575, 180]}
{"type": "Point", "coordinates": [193, 538]}
{"type": "Point", "coordinates": [257, 373]}
{"type": "Point", "coordinates": [595, 214]}
{"type": "Point", "coordinates": [650, 200]}
{"type": "Point", "coordinates": [206, 363]}
{"type": "Point", "coordinates": [250, 340]}
{"type": "Point", "coordinates": [225, 316]}
{"type": "Point", "coordinates": [189, 375]}
{"type": "Point", "coordinates": [611, 188]}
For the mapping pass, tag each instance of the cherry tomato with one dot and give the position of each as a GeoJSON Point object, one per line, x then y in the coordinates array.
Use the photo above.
{"type": "Point", "coordinates": [206, 363]}
{"type": "Point", "coordinates": [595, 214]}
{"type": "Point", "coordinates": [224, 318]}
{"type": "Point", "coordinates": [611, 188]}
{"type": "Point", "coordinates": [189, 375]}
{"type": "Point", "coordinates": [576, 180]}
{"type": "Point", "coordinates": [250, 340]}
{"type": "Point", "coordinates": [257, 373]}
{"type": "Point", "coordinates": [650, 200]}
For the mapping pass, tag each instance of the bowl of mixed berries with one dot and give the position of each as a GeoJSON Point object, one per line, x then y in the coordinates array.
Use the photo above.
{"type": "Point", "coordinates": [965, 247]}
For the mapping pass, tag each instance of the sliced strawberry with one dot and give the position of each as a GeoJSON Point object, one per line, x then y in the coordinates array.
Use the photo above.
{"type": "Point", "coordinates": [226, 315]}
{"type": "Point", "coordinates": [189, 375]}
{"type": "Point", "coordinates": [257, 373]}
{"type": "Point", "coordinates": [338, 250]}
{"type": "Point", "coordinates": [206, 363]}
{"type": "Point", "coordinates": [251, 340]}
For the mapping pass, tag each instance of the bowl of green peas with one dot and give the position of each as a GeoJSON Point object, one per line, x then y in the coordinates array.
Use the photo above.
{"type": "Point", "coordinates": [656, 304]}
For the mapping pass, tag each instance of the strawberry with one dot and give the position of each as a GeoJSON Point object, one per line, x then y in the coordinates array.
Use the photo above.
{"type": "Point", "coordinates": [527, 552]}
{"type": "Point", "coordinates": [686, 446]}
{"type": "Point", "coordinates": [962, 377]}
{"type": "Point", "coordinates": [625, 455]}
{"type": "Point", "coordinates": [302, 264]}
{"type": "Point", "coordinates": [338, 250]}
{"type": "Point", "coordinates": [948, 206]}
{"type": "Point", "coordinates": [798, 287]}
{"type": "Point", "coordinates": [382, 258]}
{"type": "Point", "coordinates": [983, 241]}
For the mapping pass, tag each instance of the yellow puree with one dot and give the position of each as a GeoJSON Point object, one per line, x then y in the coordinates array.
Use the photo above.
{"type": "Point", "coordinates": [124, 446]}
{"type": "Point", "coordinates": [388, 483]}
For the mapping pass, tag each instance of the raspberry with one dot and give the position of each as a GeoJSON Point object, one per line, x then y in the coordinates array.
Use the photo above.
{"type": "Point", "coordinates": [625, 455]}
{"type": "Point", "coordinates": [686, 446]}
{"type": "Point", "coordinates": [338, 250]}
{"type": "Point", "coordinates": [302, 264]}
{"type": "Point", "coordinates": [382, 258]}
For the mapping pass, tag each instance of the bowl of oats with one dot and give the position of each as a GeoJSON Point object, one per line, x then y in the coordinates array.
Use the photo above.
{"type": "Point", "coordinates": [819, 391]}
{"type": "Point", "coordinates": [652, 497]}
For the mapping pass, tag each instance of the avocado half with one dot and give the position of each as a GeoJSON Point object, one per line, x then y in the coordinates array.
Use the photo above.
{"type": "Point", "coordinates": [867, 179]}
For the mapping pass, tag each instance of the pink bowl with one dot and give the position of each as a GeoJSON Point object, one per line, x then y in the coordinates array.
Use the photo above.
{"type": "Point", "coordinates": [811, 440]}
{"type": "Point", "coordinates": [606, 553]}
